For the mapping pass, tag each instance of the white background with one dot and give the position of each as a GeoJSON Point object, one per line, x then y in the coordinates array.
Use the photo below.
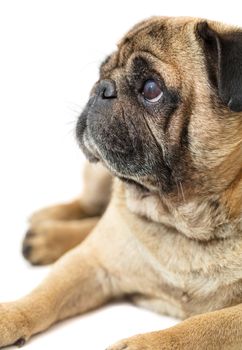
{"type": "Point", "coordinates": [49, 56]}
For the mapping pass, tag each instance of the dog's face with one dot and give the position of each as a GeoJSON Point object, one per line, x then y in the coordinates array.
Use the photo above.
{"type": "Point", "coordinates": [165, 114]}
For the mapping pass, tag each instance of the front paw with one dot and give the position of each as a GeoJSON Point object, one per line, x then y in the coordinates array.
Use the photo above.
{"type": "Point", "coordinates": [14, 326]}
{"type": "Point", "coordinates": [40, 245]}
{"type": "Point", "coordinates": [150, 341]}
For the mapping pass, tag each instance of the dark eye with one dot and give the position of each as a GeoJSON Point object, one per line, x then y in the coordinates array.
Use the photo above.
{"type": "Point", "coordinates": [152, 91]}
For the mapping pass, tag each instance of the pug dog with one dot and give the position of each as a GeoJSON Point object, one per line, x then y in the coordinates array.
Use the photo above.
{"type": "Point", "coordinates": [160, 219]}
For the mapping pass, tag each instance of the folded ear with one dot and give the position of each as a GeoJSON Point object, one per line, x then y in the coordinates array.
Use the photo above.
{"type": "Point", "coordinates": [223, 53]}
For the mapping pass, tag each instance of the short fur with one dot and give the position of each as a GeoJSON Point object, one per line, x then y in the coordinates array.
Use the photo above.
{"type": "Point", "coordinates": [170, 237]}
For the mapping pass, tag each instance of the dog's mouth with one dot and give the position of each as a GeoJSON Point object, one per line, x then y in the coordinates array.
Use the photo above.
{"type": "Point", "coordinates": [96, 146]}
{"type": "Point", "coordinates": [89, 149]}
{"type": "Point", "coordinates": [131, 182]}
{"type": "Point", "coordinates": [119, 147]}
{"type": "Point", "coordinates": [93, 154]}
{"type": "Point", "coordinates": [84, 140]}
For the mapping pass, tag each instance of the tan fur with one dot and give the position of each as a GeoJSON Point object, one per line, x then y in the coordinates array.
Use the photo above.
{"type": "Point", "coordinates": [178, 254]}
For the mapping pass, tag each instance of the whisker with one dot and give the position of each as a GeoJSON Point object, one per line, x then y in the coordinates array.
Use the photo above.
{"type": "Point", "coordinates": [88, 64]}
{"type": "Point", "coordinates": [182, 192]}
{"type": "Point", "coordinates": [177, 187]}
{"type": "Point", "coordinates": [77, 112]}
{"type": "Point", "coordinates": [74, 104]}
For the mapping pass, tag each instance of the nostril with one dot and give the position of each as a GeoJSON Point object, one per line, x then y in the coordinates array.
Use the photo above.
{"type": "Point", "coordinates": [108, 88]}
{"type": "Point", "coordinates": [108, 93]}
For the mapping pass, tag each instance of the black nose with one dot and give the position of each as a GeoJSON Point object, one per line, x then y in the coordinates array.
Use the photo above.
{"type": "Point", "coordinates": [107, 89]}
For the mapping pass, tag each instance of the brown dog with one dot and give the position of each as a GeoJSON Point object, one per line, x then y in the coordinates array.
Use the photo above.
{"type": "Point", "coordinates": [166, 119]}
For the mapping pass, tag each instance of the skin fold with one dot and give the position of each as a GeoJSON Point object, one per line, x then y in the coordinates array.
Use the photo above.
{"type": "Point", "coordinates": [159, 220]}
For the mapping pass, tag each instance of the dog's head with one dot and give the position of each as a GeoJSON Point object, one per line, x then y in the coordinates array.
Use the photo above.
{"type": "Point", "coordinates": [166, 111]}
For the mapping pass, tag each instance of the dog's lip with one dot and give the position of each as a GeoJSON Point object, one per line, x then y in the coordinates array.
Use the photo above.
{"type": "Point", "coordinates": [94, 155]}
{"type": "Point", "coordinates": [133, 182]}
{"type": "Point", "coordinates": [89, 150]}
{"type": "Point", "coordinates": [88, 144]}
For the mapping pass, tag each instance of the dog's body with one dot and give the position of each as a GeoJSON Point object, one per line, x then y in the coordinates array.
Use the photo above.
{"type": "Point", "coordinates": [165, 119]}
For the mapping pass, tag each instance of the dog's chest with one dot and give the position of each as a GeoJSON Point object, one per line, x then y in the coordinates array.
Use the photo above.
{"type": "Point", "coordinates": [186, 278]}
{"type": "Point", "coordinates": [172, 273]}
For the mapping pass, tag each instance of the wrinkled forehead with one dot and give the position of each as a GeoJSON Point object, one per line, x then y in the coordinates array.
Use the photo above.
{"type": "Point", "coordinates": [166, 38]}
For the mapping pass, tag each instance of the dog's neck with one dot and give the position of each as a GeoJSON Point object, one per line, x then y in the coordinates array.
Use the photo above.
{"type": "Point", "coordinates": [203, 219]}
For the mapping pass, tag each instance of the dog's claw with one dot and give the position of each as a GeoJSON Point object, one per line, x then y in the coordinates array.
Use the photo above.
{"type": "Point", "coordinates": [26, 250]}
{"type": "Point", "coordinates": [20, 342]}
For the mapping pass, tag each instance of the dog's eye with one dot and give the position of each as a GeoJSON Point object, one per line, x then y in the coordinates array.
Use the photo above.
{"type": "Point", "coordinates": [152, 91]}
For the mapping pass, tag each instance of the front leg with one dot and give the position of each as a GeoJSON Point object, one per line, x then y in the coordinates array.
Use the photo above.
{"type": "Point", "coordinates": [77, 283]}
{"type": "Point", "coordinates": [218, 330]}
{"type": "Point", "coordinates": [86, 277]}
